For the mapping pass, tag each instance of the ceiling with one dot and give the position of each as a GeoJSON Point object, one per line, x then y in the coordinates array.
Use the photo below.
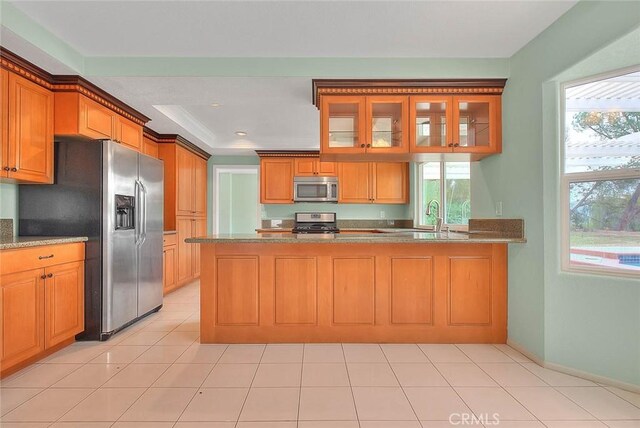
{"type": "Point", "coordinates": [276, 112]}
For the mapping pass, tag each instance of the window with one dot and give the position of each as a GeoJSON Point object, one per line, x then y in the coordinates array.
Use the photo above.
{"type": "Point", "coordinates": [601, 175]}
{"type": "Point", "coordinates": [448, 183]}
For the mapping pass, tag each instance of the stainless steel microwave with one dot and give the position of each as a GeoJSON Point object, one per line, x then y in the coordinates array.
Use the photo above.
{"type": "Point", "coordinates": [315, 189]}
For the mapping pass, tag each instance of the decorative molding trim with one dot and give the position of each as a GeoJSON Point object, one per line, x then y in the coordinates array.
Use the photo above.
{"type": "Point", "coordinates": [288, 153]}
{"type": "Point", "coordinates": [174, 139]}
{"type": "Point", "coordinates": [65, 83]}
{"type": "Point", "coordinates": [573, 372]}
{"type": "Point", "coordinates": [405, 87]}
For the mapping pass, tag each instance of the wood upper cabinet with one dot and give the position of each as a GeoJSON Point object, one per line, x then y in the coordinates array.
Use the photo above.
{"type": "Point", "coordinates": [390, 182]}
{"type": "Point", "coordinates": [373, 182]}
{"type": "Point", "coordinates": [309, 167]}
{"type": "Point", "coordinates": [21, 316]}
{"type": "Point", "coordinates": [4, 122]}
{"type": "Point", "coordinates": [64, 297]}
{"type": "Point", "coordinates": [354, 184]}
{"type": "Point", "coordinates": [387, 123]}
{"type": "Point", "coordinates": [456, 124]}
{"type": "Point", "coordinates": [185, 164]}
{"type": "Point", "coordinates": [149, 147]}
{"type": "Point", "coordinates": [27, 140]}
{"type": "Point", "coordinates": [76, 114]}
{"type": "Point", "coordinates": [128, 133]}
{"type": "Point", "coordinates": [343, 124]}
{"type": "Point", "coordinates": [200, 187]}
{"type": "Point", "coordinates": [276, 180]}
{"type": "Point", "coordinates": [79, 115]}
{"type": "Point", "coordinates": [477, 122]}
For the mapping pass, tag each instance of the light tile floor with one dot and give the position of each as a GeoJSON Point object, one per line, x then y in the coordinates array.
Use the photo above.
{"type": "Point", "coordinates": [156, 374]}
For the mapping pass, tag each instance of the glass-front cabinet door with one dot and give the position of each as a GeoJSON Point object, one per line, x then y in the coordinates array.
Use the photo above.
{"type": "Point", "coordinates": [387, 124]}
{"type": "Point", "coordinates": [342, 124]}
{"type": "Point", "coordinates": [431, 123]}
{"type": "Point", "coordinates": [476, 123]}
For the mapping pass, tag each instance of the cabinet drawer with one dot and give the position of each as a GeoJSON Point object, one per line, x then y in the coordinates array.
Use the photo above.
{"type": "Point", "coordinates": [168, 240]}
{"type": "Point", "coordinates": [23, 259]}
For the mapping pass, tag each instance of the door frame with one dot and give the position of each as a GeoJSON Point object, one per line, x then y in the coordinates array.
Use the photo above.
{"type": "Point", "coordinates": [236, 169]}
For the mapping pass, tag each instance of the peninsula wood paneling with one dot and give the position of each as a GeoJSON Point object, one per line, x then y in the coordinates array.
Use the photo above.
{"type": "Point", "coordinates": [296, 289]}
{"type": "Point", "coordinates": [470, 291]}
{"type": "Point", "coordinates": [237, 290]}
{"type": "Point", "coordinates": [411, 290]}
{"type": "Point", "coordinates": [396, 293]}
{"type": "Point", "coordinates": [353, 290]}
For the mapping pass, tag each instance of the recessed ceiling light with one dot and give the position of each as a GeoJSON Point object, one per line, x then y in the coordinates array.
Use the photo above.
{"type": "Point", "coordinates": [215, 104]}
{"type": "Point", "coordinates": [241, 133]}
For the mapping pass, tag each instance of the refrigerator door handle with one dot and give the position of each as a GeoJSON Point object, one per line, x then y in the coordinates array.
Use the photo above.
{"type": "Point", "coordinates": [138, 212]}
{"type": "Point", "coordinates": [143, 207]}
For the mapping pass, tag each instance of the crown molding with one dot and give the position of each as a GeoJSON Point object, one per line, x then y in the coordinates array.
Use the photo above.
{"type": "Point", "coordinates": [174, 139]}
{"type": "Point", "coordinates": [404, 87]}
{"type": "Point", "coordinates": [288, 153]}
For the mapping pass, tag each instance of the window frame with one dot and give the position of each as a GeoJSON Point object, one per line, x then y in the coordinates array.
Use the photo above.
{"type": "Point", "coordinates": [443, 201]}
{"type": "Point", "coordinates": [566, 179]}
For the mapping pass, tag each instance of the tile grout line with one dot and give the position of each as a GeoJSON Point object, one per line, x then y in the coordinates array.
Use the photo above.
{"type": "Point", "coordinates": [398, 380]}
{"type": "Point", "coordinates": [250, 385]}
{"type": "Point", "coordinates": [504, 387]}
{"type": "Point", "coordinates": [198, 389]}
{"type": "Point", "coordinates": [300, 390]}
{"type": "Point", "coordinates": [353, 396]}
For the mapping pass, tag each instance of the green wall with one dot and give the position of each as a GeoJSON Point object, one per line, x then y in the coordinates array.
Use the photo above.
{"type": "Point", "coordinates": [585, 322]}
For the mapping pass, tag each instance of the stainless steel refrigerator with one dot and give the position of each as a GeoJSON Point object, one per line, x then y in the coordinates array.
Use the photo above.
{"type": "Point", "coordinates": [113, 195]}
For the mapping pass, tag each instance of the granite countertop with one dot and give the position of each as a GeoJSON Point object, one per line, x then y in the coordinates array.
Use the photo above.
{"type": "Point", "coordinates": [365, 238]}
{"type": "Point", "coordinates": [35, 241]}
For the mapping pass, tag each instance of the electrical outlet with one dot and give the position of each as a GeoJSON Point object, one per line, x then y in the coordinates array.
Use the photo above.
{"type": "Point", "coordinates": [499, 208]}
{"type": "Point", "coordinates": [383, 214]}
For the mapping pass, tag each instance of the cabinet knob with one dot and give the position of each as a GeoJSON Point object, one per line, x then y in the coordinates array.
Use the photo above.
{"type": "Point", "coordinates": [14, 169]}
{"type": "Point", "coordinates": [6, 168]}
{"type": "Point", "coordinates": [362, 145]}
{"type": "Point", "coordinates": [43, 276]}
{"type": "Point", "coordinates": [456, 145]}
{"type": "Point", "coordinates": [49, 275]}
{"type": "Point", "coordinates": [368, 145]}
{"type": "Point", "coordinates": [450, 144]}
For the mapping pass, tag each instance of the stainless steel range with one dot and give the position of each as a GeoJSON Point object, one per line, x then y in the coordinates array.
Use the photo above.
{"type": "Point", "coordinates": [315, 223]}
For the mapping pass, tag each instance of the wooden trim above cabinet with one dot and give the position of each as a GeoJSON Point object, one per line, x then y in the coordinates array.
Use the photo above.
{"type": "Point", "coordinates": [288, 153]}
{"type": "Point", "coordinates": [404, 87]}
{"type": "Point", "coordinates": [67, 83]}
{"type": "Point", "coordinates": [174, 139]}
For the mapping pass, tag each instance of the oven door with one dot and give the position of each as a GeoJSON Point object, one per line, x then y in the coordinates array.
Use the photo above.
{"type": "Point", "coordinates": [315, 189]}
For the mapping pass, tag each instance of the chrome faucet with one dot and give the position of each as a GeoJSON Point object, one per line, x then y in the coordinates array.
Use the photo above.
{"type": "Point", "coordinates": [438, 218]}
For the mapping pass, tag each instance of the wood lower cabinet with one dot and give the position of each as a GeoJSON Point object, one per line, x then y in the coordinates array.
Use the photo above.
{"type": "Point", "coordinates": [373, 182]}
{"type": "Point", "coordinates": [170, 263]}
{"type": "Point", "coordinates": [276, 180]}
{"type": "Point", "coordinates": [343, 292]}
{"type": "Point", "coordinates": [22, 319]}
{"type": "Point", "coordinates": [189, 254]}
{"type": "Point", "coordinates": [64, 302]}
{"type": "Point", "coordinates": [41, 301]}
{"type": "Point", "coordinates": [27, 134]}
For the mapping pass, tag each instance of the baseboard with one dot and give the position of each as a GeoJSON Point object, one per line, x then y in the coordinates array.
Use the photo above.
{"type": "Point", "coordinates": [573, 372]}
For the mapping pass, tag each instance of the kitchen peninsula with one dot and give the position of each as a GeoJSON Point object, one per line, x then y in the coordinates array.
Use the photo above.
{"type": "Point", "coordinates": [386, 287]}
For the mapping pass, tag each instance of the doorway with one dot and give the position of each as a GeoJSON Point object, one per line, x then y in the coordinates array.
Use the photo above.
{"type": "Point", "coordinates": [237, 205]}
